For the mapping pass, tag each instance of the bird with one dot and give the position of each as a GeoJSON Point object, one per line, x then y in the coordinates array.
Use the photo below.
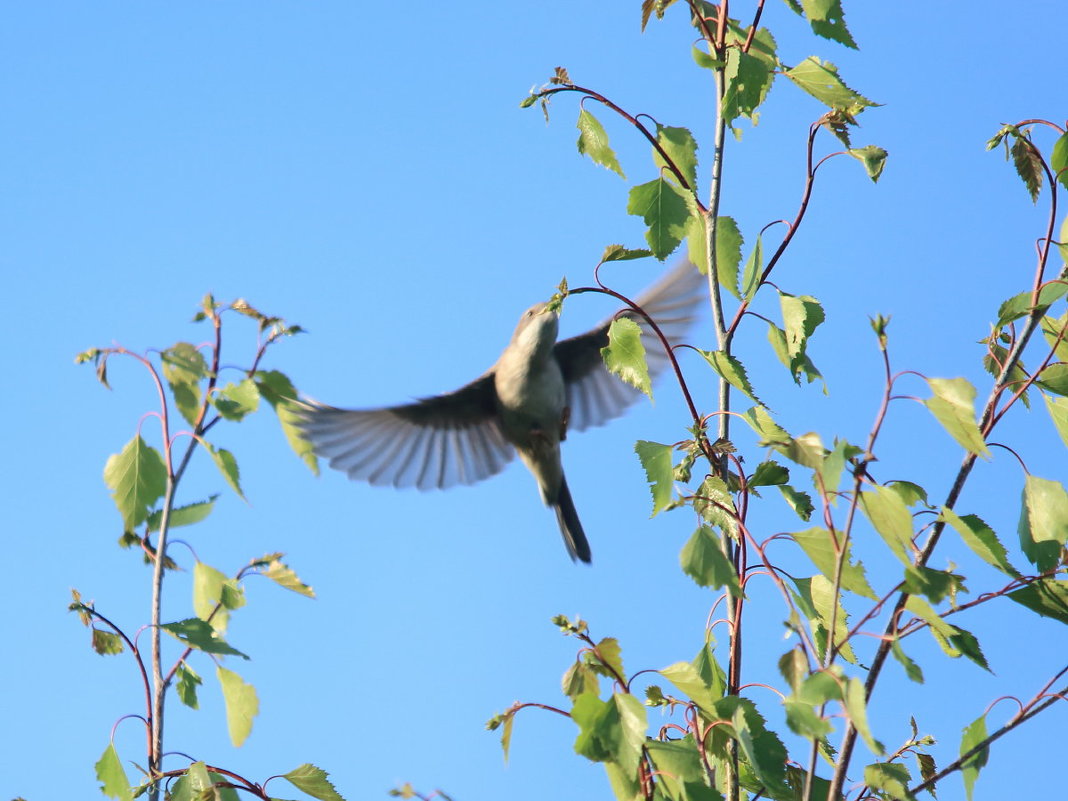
{"type": "Point", "coordinates": [538, 390]}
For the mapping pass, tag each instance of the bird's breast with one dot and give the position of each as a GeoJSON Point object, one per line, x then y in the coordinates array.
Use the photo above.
{"type": "Point", "coordinates": [531, 397]}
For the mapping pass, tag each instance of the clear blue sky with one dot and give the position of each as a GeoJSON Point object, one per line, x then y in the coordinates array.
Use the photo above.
{"type": "Point", "coordinates": [365, 170]}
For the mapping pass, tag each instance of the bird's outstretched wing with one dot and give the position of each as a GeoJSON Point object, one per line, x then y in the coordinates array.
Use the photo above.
{"type": "Point", "coordinates": [594, 395]}
{"type": "Point", "coordinates": [433, 443]}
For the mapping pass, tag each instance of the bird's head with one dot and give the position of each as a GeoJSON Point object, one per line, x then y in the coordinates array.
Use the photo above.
{"type": "Point", "coordinates": [536, 332]}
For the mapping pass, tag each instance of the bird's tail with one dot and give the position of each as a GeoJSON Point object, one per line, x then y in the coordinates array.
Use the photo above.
{"type": "Point", "coordinates": [574, 537]}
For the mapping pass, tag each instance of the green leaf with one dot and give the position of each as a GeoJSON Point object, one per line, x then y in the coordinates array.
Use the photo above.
{"type": "Point", "coordinates": [769, 474]}
{"type": "Point", "coordinates": [195, 633]}
{"type": "Point", "coordinates": [184, 367]}
{"type": "Point", "coordinates": [593, 142]}
{"type": "Point", "coordinates": [796, 365]}
{"type": "Point", "coordinates": [703, 691]}
{"type": "Point", "coordinates": [748, 78]}
{"type": "Point", "coordinates": [729, 243]}
{"type": "Point", "coordinates": [1054, 378]}
{"type": "Point", "coordinates": [828, 20]}
{"type": "Point", "coordinates": [283, 576]}
{"type": "Point", "coordinates": [1055, 329]}
{"type": "Point", "coordinates": [801, 316]}
{"type": "Point", "coordinates": [665, 208]}
{"type": "Point", "coordinates": [1044, 554]}
{"type": "Point", "coordinates": [1058, 160]}
{"type": "Point", "coordinates": [212, 589]}
{"type": "Point", "coordinates": [112, 777]}
{"type": "Point", "coordinates": [974, 734]}
{"type": "Point", "coordinates": [680, 770]}
{"type": "Point", "coordinates": [1021, 305]}
{"type": "Point", "coordinates": [580, 678]}
{"type": "Point", "coordinates": [1047, 510]}
{"type": "Point", "coordinates": [754, 269]}
{"type": "Point", "coordinates": [800, 502]}
{"type": "Point", "coordinates": [857, 709]}
{"type": "Point", "coordinates": [227, 464]}
{"type": "Point", "coordinates": [1048, 597]}
{"type": "Point", "coordinates": [182, 515]}
{"type": "Point", "coordinates": [912, 670]}
{"type": "Point", "coordinates": [624, 354]}
{"type": "Point", "coordinates": [891, 518]}
{"type": "Point", "coordinates": [313, 781]}
{"type": "Point", "coordinates": [730, 370]}
{"type": "Point", "coordinates": [762, 748]}
{"type": "Point", "coordinates": [978, 536]}
{"type": "Point", "coordinates": [137, 478]}
{"type": "Point", "coordinates": [804, 721]}
{"type": "Point", "coordinates": [770, 433]}
{"type": "Point", "coordinates": [107, 643]}
{"type": "Point", "coordinates": [234, 401]}
{"type": "Point", "coordinates": [953, 405]}
{"type": "Point", "coordinates": [607, 659]}
{"type": "Point", "coordinates": [610, 731]}
{"type": "Point", "coordinates": [681, 148]}
{"type": "Point", "coordinates": [934, 585]}
{"type": "Point", "coordinates": [242, 705]}
{"type": "Point", "coordinates": [703, 560]}
{"type": "Point", "coordinates": [278, 390]}
{"type": "Point", "coordinates": [656, 461]}
{"type": "Point", "coordinates": [872, 157]}
{"type": "Point", "coordinates": [892, 778]}
{"type": "Point", "coordinates": [620, 253]}
{"type": "Point", "coordinates": [1028, 163]}
{"type": "Point", "coordinates": [966, 643]}
{"type": "Point", "coordinates": [188, 681]}
{"type": "Point", "coordinates": [819, 545]}
{"type": "Point", "coordinates": [820, 79]}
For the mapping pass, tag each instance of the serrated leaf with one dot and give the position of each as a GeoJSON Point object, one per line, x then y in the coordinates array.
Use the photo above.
{"type": "Point", "coordinates": [974, 734]}
{"type": "Point", "coordinates": [984, 543]}
{"type": "Point", "coordinates": [953, 405]}
{"type": "Point", "coordinates": [227, 464]}
{"type": "Point", "coordinates": [828, 20]}
{"type": "Point", "coordinates": [137, 477]}
{"type": "Point", "coordinates": [769, 474]}
{"type": "Point", "coordinates": [211, 589]}
{"type": "Point", "coordinates": [579, 679]}
{"type": "Point", "coordinates": [107, 643]}
{"type": "Point", "coordinates": [1048, 597]}
{"type": "Point", "coordinates": [665, 208]}
{"type": "Point", "coordinates": [891, 518]}
{"type": "Point", "coordinates": [1058, 160]}
{"type": "Point", "coordinates": [182, 515]}
{"type": "Point", "coordinates": [703, 560]}
{"type": "Point", "coordinates": [912, 670]}
{"type": "Point", "coordinates": [699, 689]}
{"type": "Point", "coordinates": [762, 748]}
{"type": "Point", "coordinates": [1021, 304]}
{"type": "Point", "coordinates": [730, 370]}
{"type": "Point", "coordinates": [624, 355]}
{"type": "Point", "coordinates": [188, 681]}
{"type": "Point", "coordinates": [235, 401]}
{"type": "Point", "coordinates": [593, 142]}
{"type": "Point", "coordinates": [770, 432]}
{"type": "Point", "coordinates": [1047, 509]}
{"type": "Point", "coordinates": [820, 79]}
{"type": "Point", "coordinates": [112, 777]}
{"type": "Point", "coordinates": [892, 778]}
{"type": "Point", "coordinates": [857, 709]}
{"type": "Point", "coordinates": [607, 659]}
{"type": "Point", "coordinates": [283, 576]}
{"type": "Point", "coordinates": [196, 633]}
{"type": "Point", "coordinates": [801, 314]}
{"type": "Point", "coordinates": [729, 241]}
{"type": "Point", "coordinates": [313, 781]}
{"type": "Point", "coordinates": [184, 367]}
{"type": "Point", "coordinates": [800, 502]}
{"type": "Point", "coordinates": [748, 79]}
{"type": "Point", "coordinates": [620, 253]}
{"type": "Point", "coordinates": [754, 268]}
{"type": "Point", "coordinates": [242, 705]}
{"type": "Point", "coordinates": [872, 157]}
{"type": "Point", "coordinates": [1054, 378]}
{"type": "Point", "coordinates": [278, 390]}
{"type": "Point", "coordinates": [681, 148]}
{"type": "Point", "coordinates": [1028, 163]}
{"type": "Point", "coordinates": [819, 545]}
{"type": "Point", "coordinates": [656, 462]}
{"type": "Point", "coordinates": [612, 730]}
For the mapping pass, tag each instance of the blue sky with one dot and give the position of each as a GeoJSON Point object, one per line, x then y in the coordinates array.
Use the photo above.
{"type": "Point", "coordinates": [365, 170]}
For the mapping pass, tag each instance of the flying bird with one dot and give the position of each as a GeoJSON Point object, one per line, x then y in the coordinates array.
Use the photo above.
{"type": "Point", "coordinates": [526, 403]}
